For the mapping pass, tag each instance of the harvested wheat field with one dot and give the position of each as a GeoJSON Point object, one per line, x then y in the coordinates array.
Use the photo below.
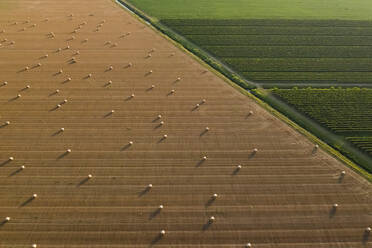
{"type": "Point", "coordinates": [113, 137]}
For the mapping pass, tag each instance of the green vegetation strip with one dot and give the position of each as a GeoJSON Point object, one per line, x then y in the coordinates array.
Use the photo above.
{"type": "Point", "coordinates": [257, 9]}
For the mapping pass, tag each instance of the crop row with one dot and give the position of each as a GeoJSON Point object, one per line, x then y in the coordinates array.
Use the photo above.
{"type": "Point", "coordinates": [273, 30]}
{"type": "Point", "coordinates": [299, 64]}
{"type": "Point", "coordinates": [363, 143]}
{"type": "Point", "coordinates": [335, 77]}
{"type": "Point", "coordinates": [340, 110]}
{"type": "Point", "coordinates": [279, 40]}
{"type": "Point", "coordinates": [290, 51]}
{"type": "Point", "coordinates": [265, 22]}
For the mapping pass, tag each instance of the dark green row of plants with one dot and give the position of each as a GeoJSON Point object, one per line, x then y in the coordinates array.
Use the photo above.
{"type": "Point", "coordinates": [272, 30]}
{"type": "Point", "coordinates": [279, 40]}
{"type": "Point", "coordinates": [300, 64]}
{"type": "Point", "coordinates": [315, 77]}
{"type": "Point", "coordinates": [265, 22]}
{"type": "Point", "coordinates": [290, 51]}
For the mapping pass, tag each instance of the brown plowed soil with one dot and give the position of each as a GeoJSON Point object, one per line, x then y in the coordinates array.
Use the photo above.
{"type": "Point", "coordinates": [281, 197]}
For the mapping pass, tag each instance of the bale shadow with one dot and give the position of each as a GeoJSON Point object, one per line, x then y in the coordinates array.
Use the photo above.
{"type": "Point", "coordinates": [332, 212]}
{"type": "Point", "coordinates": [65, 81]}
{"type": "Point", "coordinates": [107, 115]}
{"type": "Point", "coordinates": [157, 126]}
{"type": "Point", "coordinates": [248, 115]}
{"type": "Point", "coordinates": [56, 133]}
{"type": "Point", "coordinates": [5, 163]}
{"type": "Point", "coordinates": [63, 155]}
{"type": "Point", "coordinates": [207, 225]}
{"type": "Point", "coordinates": [13, 99]}
{"type": "Point", "coordinates": [3, 125]}
{"type": "Point", "coordinates": [156, 240]}
{"type": "Point", "coordinates": [149, 89]}
{"type": "Point", "coordinates": [126, 147]}
{"type": "Point", "coordinates": [252, 154]}
{"type": "Point", "coordinates": [154, 214]}
{"type": "Point", "coordinates": [162, 139]}
{"type": "Point", "coordinates": [144, 192]}
{"type": "Point", "coordinates": [128, 98]}
{"type": "Point", "coordinates": [209, 202]}
{"type": "Point", "coordinates": [314, 151]}
{"type": "Point", "coordinates": [365, 238]}
{"type": "Point", "coordinates": [148, 74]}
{"type": "Point", "coordinates": [235, 171]}
{"type": "Point", "coordinates": [200, 163]}
{"type": "Point", "coordinates": [106, 85]}
{"type": "Point", "coordinates": [203, 133]}
{"type": "Point", "coordinates": [23, 89]}
{"type": "Point", "coordinates": [195, 108]}
{"type": "Point", "coordinates": [53, 93]}
{"type": "Point", "coordinates": [53, 109]}
{"type": "Point", "coordinates": [15, 172]}
{"type": "Point", "coordinates": [82, 182]}
{"type": "Point", "coordinates": [3, 222]}
{"type": "Point", "coordinates": [29, 200]}
{"type": "Point", "coordinates": [341, 178]}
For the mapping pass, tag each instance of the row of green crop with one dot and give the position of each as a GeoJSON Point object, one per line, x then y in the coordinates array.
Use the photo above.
{"type": "Point", "coordinates": [265, 22]}
{"type": "Point", "coordinates": [364, 143]}
{"type": "Point", "coordinates": [336, 77]}
{"type": "Point", "coordinates": [273, 30]}
{"type": "Point", "coordinates": [290, 51]}
{"type": "Point", "coordinates": [279, 40]}
{"type": "Point", "coordinates": [300, 64]}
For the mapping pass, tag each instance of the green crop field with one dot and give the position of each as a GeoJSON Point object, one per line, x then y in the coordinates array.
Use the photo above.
{"type": "Point", "coordinates": [256, 9]}
{"type": "Point", "coordinates": [287, 52]}
{"type": "Point", "coordinates": [346, 112]}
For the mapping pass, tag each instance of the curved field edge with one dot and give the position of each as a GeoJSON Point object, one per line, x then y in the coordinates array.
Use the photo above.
{"type": "Point", "coordinates": [260, 96]}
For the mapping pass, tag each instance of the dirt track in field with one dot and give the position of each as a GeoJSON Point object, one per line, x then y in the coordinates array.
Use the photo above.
{"type": "Point", "coordinates": [281, 197]}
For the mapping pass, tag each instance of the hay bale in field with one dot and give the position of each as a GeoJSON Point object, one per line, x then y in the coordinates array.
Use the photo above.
{"type": "Point", "coordinates": [62, 129]}
{"type": "Point", "coordinates": [11, 158]}
{"type": "Point", "coordinates": [162, 232]}
{"type": "Point", "coordinates": [5, 83]}
{"type": "Point", "coordinates": [68, 151]}
{"type": "Point", "coordinates": [149, 186]}
{"type": "Point", "coordinates": [248, 245]}
{"type": "Point", "coordinates": [19, 96]}
{"type": "Point", "coordinates": [34, 246]}
{"type": "Point", "coordinates": [34, 196]}
{"type": "Point", "coordinates": [130, 143]}
{"type": "Point", "coordinates": [212, 219]}
{"type": "Point", "coordinates": [22, 167]}
{"type": "Point", "coordinates": [160, 207]}
{"type": "Point", "coordinates": [7, 219]}
{"type": "Point", "coordinates": [207, 129]}
{"type": "Point", "coordinates": [7, 123]}
{"type": "Point", "coordinates": [90, 176]}
{"type": "Point", "coordinates": [204, 158]}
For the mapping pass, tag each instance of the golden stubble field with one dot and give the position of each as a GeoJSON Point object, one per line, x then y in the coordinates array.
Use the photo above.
{"type": "Point", "coordinates": [118, 108]}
